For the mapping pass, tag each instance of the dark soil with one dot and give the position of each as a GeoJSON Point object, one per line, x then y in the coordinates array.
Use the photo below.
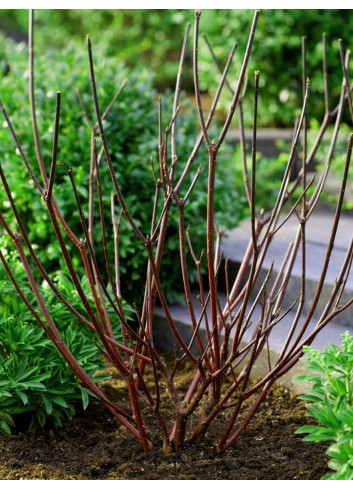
{"type": "Point", "coordinates": [93, 446]}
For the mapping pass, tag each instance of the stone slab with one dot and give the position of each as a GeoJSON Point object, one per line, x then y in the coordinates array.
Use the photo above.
{"type": "Point", "coordinates": [318, 234]}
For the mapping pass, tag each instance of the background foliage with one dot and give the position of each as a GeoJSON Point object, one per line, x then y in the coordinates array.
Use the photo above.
{"type": "Point", "coordinates": [145, 35]}
{"type": "Point", "coordinates": [132, 131]}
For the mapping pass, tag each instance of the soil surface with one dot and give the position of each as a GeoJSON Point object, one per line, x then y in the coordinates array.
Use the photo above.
{"type": "Point", "coordinates": [94, 446]}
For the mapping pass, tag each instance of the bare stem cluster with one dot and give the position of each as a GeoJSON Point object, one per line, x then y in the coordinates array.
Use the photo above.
{"type": "Point", "coordinates": [222, 359]}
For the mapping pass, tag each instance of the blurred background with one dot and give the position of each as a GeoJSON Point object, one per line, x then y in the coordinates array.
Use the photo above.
{"type": "Point", "coordinates": [153, 38]}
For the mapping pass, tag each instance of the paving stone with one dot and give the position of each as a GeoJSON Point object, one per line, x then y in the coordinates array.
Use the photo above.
{"type": "Point", "coordinates": [318, 234]}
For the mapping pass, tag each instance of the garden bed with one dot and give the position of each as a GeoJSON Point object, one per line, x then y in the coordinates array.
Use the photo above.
{"type": "Point", "coordinates": [93, 446]}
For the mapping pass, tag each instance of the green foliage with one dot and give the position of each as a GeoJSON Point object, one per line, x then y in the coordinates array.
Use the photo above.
{"type": "Point", "coordinates": [269, 174]}
{"type": "Point", "coordinates": [331, 403]}
{"type": "Point", "coordinates": [132, 131]}
{"type": "Point", "coordinates": [145, 34]}
{"type": "Point", "coordinates": [34, 378]}
{"type": "Point", "coordinates": [331, 193]}
{"type": "Point", "coordinates": [270, 170]}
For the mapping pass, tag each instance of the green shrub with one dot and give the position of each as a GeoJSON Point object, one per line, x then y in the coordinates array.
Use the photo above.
{"type": "Point", "coordinates": [34, 378]}
{"type": "Point", "coordinates": [132, 131]}
{"type": "Point", "coordinates": [331, 403]}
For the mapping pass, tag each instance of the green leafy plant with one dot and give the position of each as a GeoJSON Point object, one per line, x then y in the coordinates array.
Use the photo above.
{"type": "Point", "coordinates": [331, 404]}
{"type": "Point", "coordinates": [34, 378]}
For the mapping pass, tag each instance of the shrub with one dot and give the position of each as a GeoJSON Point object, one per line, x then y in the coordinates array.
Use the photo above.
{"type": "Point", "coordinates": [330, 397]}
{"type": "Point", "coordinates": [223, 353]}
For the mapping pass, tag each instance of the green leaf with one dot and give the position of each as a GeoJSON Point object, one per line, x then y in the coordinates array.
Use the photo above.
{"type": "Point", "coordinates": [346, 416]}
{"type": "Point", "coordinates": [309, 377]}
{"type": "Point", "coordinates": [26, 374]}
{"type": "Point", "coordinates": [301, 378]}
{"type": "Point", "coordinates": [70, 411]}
{"type": "Point", "coordinates": [306, 429]}
{"type": "Point", "coordinates": [347, 475]}
{"type": "Point", "coordinates": [318, 437]}
{"type": "Point", "coordinates": [59, 401]}
{"type": "Point", "coordinates": [98, 378]}
{"type": "Point", "coordinates": [56, 417]}
{"type": "Point", "coordinates": [34, 385]}
{"type": "Point", "coordinates": [42, 417]}
{"type": "Point", "coordinates": [47, 404]}
{"type": "Point", "coordinates": [22, 368]}
{"type": "Point", "coordinates": [84, 396]}
{"type": "Point", "coordinates": [5, 394]}
{"type": "Point", "coordinates": [22, 396]}
{"type": "Point", "coordinates": [5, 428]}
{"type": "Point", "coordinates": [311, 397]}
{"type": "Point", "coordinates": [7, 418]}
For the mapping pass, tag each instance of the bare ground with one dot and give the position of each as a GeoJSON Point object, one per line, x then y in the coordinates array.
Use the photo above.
{"type": "Point", "coordinates": [93, 446]}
